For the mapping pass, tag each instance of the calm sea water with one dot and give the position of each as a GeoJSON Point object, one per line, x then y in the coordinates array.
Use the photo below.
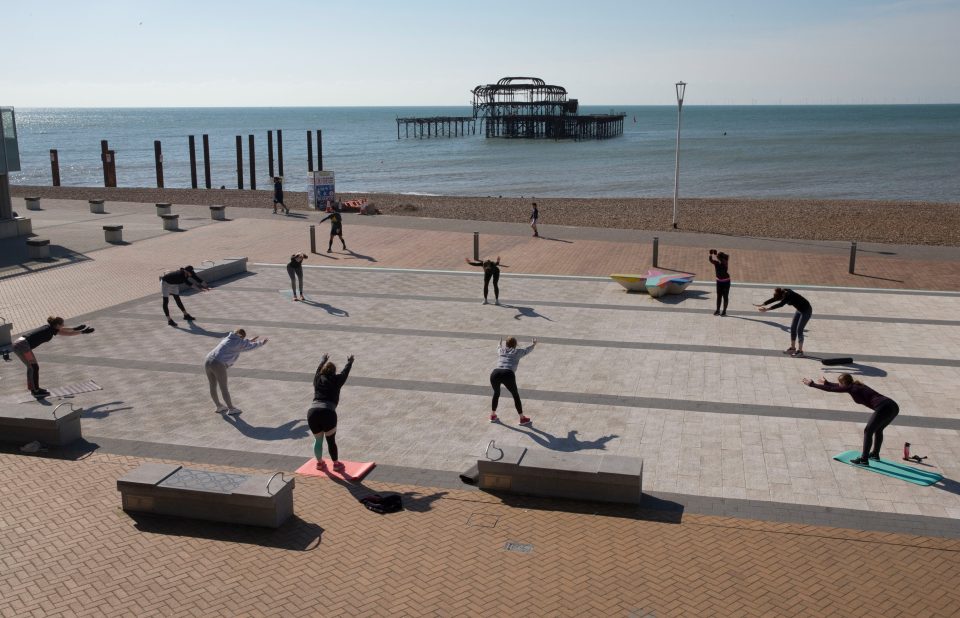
{"type": "Point", "coordinates": [905, 152]}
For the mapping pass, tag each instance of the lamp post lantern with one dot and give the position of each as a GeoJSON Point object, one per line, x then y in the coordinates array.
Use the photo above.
{"type": "Point", "coordinates": [681, 88]}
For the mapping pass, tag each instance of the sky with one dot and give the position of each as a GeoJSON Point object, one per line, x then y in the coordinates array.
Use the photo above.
{"type": "Point", "coordinates": [239, 53]}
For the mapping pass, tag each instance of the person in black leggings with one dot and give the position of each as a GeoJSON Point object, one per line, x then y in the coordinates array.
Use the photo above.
{"type": "Point", "coordinates": [29, 341]}
{"type": "Point", "coordinates": [322, 415]}
{"type": "Point", "coordinates": [783, 296]}
{"type": "Point", "coordinates": [491, 270]}
{"type": "Point", "coordinates": [336, 229]}
{"type": "Point", "coordinates": [508, 359]}
{"type": "Point", "coordinates": [170, 283]}
{"type": "Point", "coordinates": [295, 270]}
{"type": "Point", "coordinates": [720, 265]}
{"type": "Point", "coordinates": [884, 411]}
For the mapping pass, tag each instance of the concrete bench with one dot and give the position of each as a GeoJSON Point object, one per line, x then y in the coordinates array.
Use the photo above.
{"type": "Point", "coordinates": [164, 208]}
{"type": "Point", "coordinates": [96, 207]}
{"type": "Point", "coordinates": [553, 474]}
{"type": "Point", "coordinates": [33, 203]}
{"type": "Point", "coordinates": [212, 270]}
{"type": "Point", "coordinates": [25, 423]}
{"type": "Point", "coordinates": [170, 489]}
{"type": "Point", "coordinates": [38, 248]}
{"type": "Point", "coordinates": [171, 222]}
{"type": "Point", "coordinates": [218, 213]}
{"type": "Point", "coordinates": [113, 233]}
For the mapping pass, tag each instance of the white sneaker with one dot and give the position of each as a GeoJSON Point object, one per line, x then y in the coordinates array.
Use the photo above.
{"type": "Point", "coordinates": [234, 411]}
{"type": "Point", "coordinates": [484, 302]}
{"type": "Point", "coordinates": [497, 302]}
{"type": "Point", "coordinates": [221, 409]}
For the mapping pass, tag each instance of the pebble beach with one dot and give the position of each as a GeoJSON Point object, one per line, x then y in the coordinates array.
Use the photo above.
{"type": "Point", "coordinates": [892, 222]}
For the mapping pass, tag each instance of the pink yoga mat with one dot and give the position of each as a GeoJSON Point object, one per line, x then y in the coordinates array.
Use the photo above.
{"type": "Point", "coordinates": [353, 470]}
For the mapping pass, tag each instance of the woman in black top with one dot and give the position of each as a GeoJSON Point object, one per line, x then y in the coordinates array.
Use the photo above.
{"type": "Point", "coordinates": [491, 270]}
{"type": "Point", "coordinates": [170, 283]}
{"type": "Point", "coordinates": [336, 229]}
{"type": "Point", "coordinates": [884, 411]}
{"type": "Point", "coordinates": [295, 270]}
{"type": "Point", "coordinates": [24, 346]}
{"type": "Point", "coordinates": [278, 196]}
{"type": "Point", "coordinates": [322, 415]}
{"type": "Point", "coordinates": [783, 296]}
{"type": "Point", "coordinates": [720, 265]}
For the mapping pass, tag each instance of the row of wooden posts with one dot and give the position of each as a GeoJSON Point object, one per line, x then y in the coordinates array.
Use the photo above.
{"type": "Point", "coordinates": [109, 160]}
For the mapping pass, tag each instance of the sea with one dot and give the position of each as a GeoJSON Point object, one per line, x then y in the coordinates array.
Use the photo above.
{"type": "Point", "coordinates": [888, 152]}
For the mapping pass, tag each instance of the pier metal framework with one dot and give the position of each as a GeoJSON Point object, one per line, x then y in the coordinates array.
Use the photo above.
{"type": "Point", "coordinates": [520, 107]}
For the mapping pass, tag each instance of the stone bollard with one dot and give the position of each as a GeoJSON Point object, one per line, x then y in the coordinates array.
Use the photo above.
{"type": "Point", "coordinates": [38, 248]}
{"type": "Point", "coordinates": [113, 233]}
{"type": "Point", "coordinates": [33, 203]}
{"type": "Point", "coordinates": [6, 333]}
{"type": "Point", "coordinates": [170, 222]}
{"type": "Point", "coordinates": [163, 209]}
{"type": "Point", "coordinates": [218, 213]}
{"type": "Point", "coordinates": [96, 207]}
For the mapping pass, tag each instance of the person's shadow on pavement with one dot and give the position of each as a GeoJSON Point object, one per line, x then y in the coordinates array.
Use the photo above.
{"type": "Point", "coordinates": [525, 312]}
{"type": "Point", "coordinates": [334, 311]}
{"type": "Point", "coordinates": [360, 256]}
{"type": "Point", "coordinates": [569, 444]}
{"type": "Point", "coordinates": [291, 430]}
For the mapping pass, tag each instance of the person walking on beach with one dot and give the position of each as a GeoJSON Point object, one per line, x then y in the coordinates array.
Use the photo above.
{"type": "Point", "coordinates": [336, 229]}
{"type": "Point", "coordinates": [505, 374]}
{"type": "Point", "coordinates": [322, 415]}
{"type": "Point", "coordinates": [278, 196]}
{"type": "Point", "coordinates": [723, 279]}
{"type": "Point", "coordinates": [785, 296]}
{"type": "Point", "coordinates": [884, 411]}
{"type": "Point", "coordinates": [534, 217]}
{"type": "Point", "coordinates": [223, 357]}
{"type": "Point", "coordinates": [295, 270]}
{"type": "Point", "coordinates": [170, 283]}
{"type": "Point", "coordinates": [26, 343]}
{"type": "Point", "coordinates": [491, 270]}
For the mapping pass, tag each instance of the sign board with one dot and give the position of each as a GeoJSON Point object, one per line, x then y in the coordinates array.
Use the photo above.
{"type": "Point", "coordinates": [320, 189]}
{"type": "Point", "coordinates": [10, 151]}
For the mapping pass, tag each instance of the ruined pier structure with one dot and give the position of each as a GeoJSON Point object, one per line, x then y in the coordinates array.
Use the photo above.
{"type": "Point", "coordinates": [521, 107]}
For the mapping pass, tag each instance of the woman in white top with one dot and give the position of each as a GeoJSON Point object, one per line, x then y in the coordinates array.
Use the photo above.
{"type": "Point", "coordinates": [504, 374]}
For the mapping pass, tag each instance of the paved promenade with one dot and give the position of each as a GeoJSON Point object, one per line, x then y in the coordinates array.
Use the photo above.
{"type": "Point", "coordinates": [747, 513]}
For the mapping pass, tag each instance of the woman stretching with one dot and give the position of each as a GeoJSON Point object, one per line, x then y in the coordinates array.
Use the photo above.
{"type": "Point", "coordinates": [223, 357]}
{"type": "Point", "coordinates": [491, 270]}
{"type": "Point", "coordinates": [336, 229]}
{"type": "Point", "coordinates": [723, 279]}
{"type": "Point", "coordinates": [322, 415]}
{"type": "Point", "coordinates": [884, 411]}
{"type": "Point", "coordinates": [24, 346]}
{"type": "Point", "coordinates": [295, 270]}
{"type": "Point", "coordinates": [783, 296]}
{"type": "Point", "coordinates": [505, 374]}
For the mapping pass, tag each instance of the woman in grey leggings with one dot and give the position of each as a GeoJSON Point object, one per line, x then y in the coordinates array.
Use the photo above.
{"type": "Point", "coordinates": [222, 357]}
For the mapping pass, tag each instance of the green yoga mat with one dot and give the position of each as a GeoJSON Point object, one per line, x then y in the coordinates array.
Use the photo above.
{"type": "Point", "coordinates": [892, 468]}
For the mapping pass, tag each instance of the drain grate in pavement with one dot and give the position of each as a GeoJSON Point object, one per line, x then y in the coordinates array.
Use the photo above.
{"type": "Point", "coordinates": [483, 520]}
{"type": "Point", "coordinates": [520, 548]}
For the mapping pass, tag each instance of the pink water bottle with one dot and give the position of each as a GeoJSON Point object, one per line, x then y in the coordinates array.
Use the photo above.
{"type": "Point", "coordinates": [906, 450]}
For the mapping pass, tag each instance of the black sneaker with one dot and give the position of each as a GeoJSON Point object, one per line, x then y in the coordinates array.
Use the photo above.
{"type": "Point", "coordinates": [860, 461]}
{"type": "Point", "coordinates": [40, 393]}
{"type": "Point", "coordinates": [874, 456]}
{"type": "Point", "coordinates": [717, 312]}
{"type": "Point", "coordinates": [170, 322]}
{"type": "Point", "coordinates": [188, 317]}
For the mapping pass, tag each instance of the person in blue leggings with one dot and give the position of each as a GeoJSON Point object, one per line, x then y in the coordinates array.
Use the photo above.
{"type": "Point", "coordinates": [784, 296]}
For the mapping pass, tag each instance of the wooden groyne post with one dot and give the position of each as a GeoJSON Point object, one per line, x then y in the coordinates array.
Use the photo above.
{"type": "Point", "coordinates": [206, 160]}
{"type": "Point", "coordinates": [55, 167]}
{"type": "Point", "coordinates": [270, 153]}
{"type": "Point", "coordinates": [309, 151]}
{"type": "Point", "coordinates": [253, 165]}
{"type": "Point", "coordinates": [109, 160]}
{"type": "Point", "coordinates": [158, 161]}
{"type": "Point", "coordinates": [239, 163]}
{"type": "Point", "coordinates": [280, 151]}
{"type": "Point", "coordinates": [193, 161]}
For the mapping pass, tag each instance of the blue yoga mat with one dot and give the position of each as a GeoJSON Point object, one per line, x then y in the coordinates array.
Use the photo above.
{"type": "Point", "coordinates": [892, 468]}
